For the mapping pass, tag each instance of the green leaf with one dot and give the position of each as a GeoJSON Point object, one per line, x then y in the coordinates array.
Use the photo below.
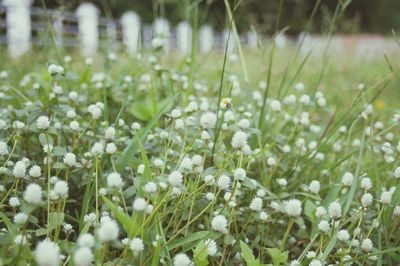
{"type": "Point", "coordinates": [129, 152]}
{"type": "Point", "coordinates": [277, 256]}
{"type": "Point", "coordinates": [247, 254]}
{"type": "Point", "coordinates": [128, 223]}
{"type": "Point", "coordinates": [189, 240]}
{"type": "Point", "coordinates": [200, 254]}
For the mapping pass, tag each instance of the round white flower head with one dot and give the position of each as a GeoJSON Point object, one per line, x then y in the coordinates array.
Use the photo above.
{"type": "Point", "coordinates": [111, 148]}
{"type": "Point", "coordinates": [140, 204]}
{"type": "Point", "coordinates": [256, 204]}
{"type": "Point", "coordinates": [239, 174]}
{"type": "Point", "coordinates": [219, 223]}
{"type": "Point", "coordinates": [108, 231]}
{"type": "Point", "coordinates": [367, 245]}
{"type": "Point", "coordinates": [114, 180]}
{"type": "Point", "coordinates": [343, 235]}
{"type": "Point", "coordinates": [20, 240]}
{"type": "Point", "coordinates": [69, 159]}
{"type": "Point", "coordinates": [20, 218]}
{"type": "Point", "coordinates": [54, 69]}
{"type": "Point", "coordinates": [86, 240]}
{"type": "Point", "coordinates": [175, 178]}
{"type": "Point", "coordinates": [366, 199]}
{"type": "Point", "coordinates": [224, 182]}
{"type": "Point", "coordinates": [386, 197]}
{"type": "Point", "coordinates": [19, 169]}
{"type": "Point", "coordinates": [208, 120]}
{"type": "Point", "coordinates": [35, 171]}
{"type": "Point", "coordinates": [347, 179]}
{"type": "Point", "coordinates": [397, 172]}
{"type": "Point", "coordinates": [61, 188]}
{"type": "Point", "coordinates": [293, 207]}
{"type": "Point", "coordinates": [43, 122]}
{"type": "Point", "coordinates": [47, 253]}
{"type": "Point", "coordinates": [211, 247]}
{"type": "Point", "coordinates": [314, 186]}
{"type": "Point", "coordinates": [396, 211]}
{"type": "Point", "coordinates": [366, 183]}
{"type": "Point", "coordinates": [14, 201]}
{"type": "Point", "coordinates": [335, 210]}
{"type": "Point", "coordinates": [109, 133]}
{"type": "Point", "coordinates": [186, 164]}
{"type": "Point", "coordinates": [324, 226]}
{"type": "Point", "coordinates": [83, 257]}
{"type": "Point", "coordinates": [33, 194]}
{"type": "Point", "coordinates": [150, 187]}
{"type": "Point", "coordinates": [136, 245]}
{"type": "Point", "coordinates": [3, 148]}
{"type": "Point", "coordinates": [315, 262]}
{"type": "Point", "coordinates": [182, 259]}
{"type": "Point", "coordinates": [97, 149]}
{"type": "Point", "coordinates": [239, 140]}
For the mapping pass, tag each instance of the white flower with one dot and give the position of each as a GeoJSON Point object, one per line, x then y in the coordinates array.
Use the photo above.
{"type": "Point", "coordinates": [19, 169]}
{"type": "Point", "coordinates": [35, 171]}
{"type": "Point", "coordinates": [108, 231]}
{"type": "Point", "coordinates": [175, 178]}
{"type": "Point", "coordinates": [256, 204]}
{"type": "Point", "coordinates": [335, 210]}
{"type": "Point", "coordinates": [55, 69]}
{"type": "Point", "coordinates": [109, 133]}
{"type": "Point", "coordinates": [47, 253]}
{"type": "Point", "coordinates": [367, 245]}
{"type": "Point", "coordinates": [14, 201]}
{"type": "Point", "coordinates": [3, 148]}
{"type": "Point", "coordinates": [366, 199]}
{"type": "Point", "coordinates": [386, 197]}
{"type": "Point", "coordinates": [150, 187]}
{"type": "Point", "coordinates": [219, 223]}
{"type": "Point", "coordinates": [136, 245]}
{"type": "Point", "coordinates": [293, 207]}
{"type": "Point", "coordinates": [186, 164]}
{"type": "Point", "coordinates": [97, 149]}
{"type": "Point", "coordinates": [366, 183]}
{"type": "Point", "coordinates": [347, 179]}
{"type": "Point", "coordinates": [315, 262]}
{"type": "Point", "coordinates": [20, 218]}
{"type": "Point", "coordinates": [114, 180]}
{"type": "Point", "coordinates": [314, 186]}
{"type": "Point", "coordinates": [211, 247]}
{"type": "Point", "coordinates": [208, 120]}
{"type": "Point", "coordinates": [224, 182]}
{"type": "Point", "coordinates": [275, 105]}
{"type": "Point", "coordinates": [111, 148]}
{"type": "Point", "coordinates": [69, 159]}
{"type": "Point", "coordinates": [324, 226]}
{"type": "Point", "coordinates": [86, 240]}
{"type": "Point", "coordinates": [33, 194]}
{"type": "Point", "coordinates": [61, 188]}
{"type": "Point", "coordinates": [239, 174]}
{"type": "Point", "coordinates": [239, 140]}
{"type": "Point", "coordinates": [343, 235]}
{"type": "Point", "coordinates": [397, 172]}
{"type": "Point", "coordinates": [140, 204]}
{"type": "Point", "coordinates": [43, 122]}
{"type": "Point", "coordinates": [396, 211]}
{"type": "Point", "coordinates": [182, 259]}
{"type": "Point", "coordinates": [20, 240]}
{"type": "Point", "coordinates": [264, 216]}
{"type": "Point", "coordinates": [83, 257]}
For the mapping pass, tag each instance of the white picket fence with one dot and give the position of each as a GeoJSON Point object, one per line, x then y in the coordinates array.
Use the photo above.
{"type": "Point", "coordinates": [22, 26]}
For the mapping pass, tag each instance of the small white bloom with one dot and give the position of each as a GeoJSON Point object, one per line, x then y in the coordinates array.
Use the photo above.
{"type": "Point", "coordinates": [175, 178]}
{"type": "Point", "coordinates": [211, 247]}
{"type": "Point", "coordinates": [83, 257]}
{"type": "Point", "coordinates": [43, 122]}
{"type": "Point", "coordinates": [343, 235]}
{"type": "Point", "coordinates": [208, 120]}
{"type": "Point", "coordinates": [324, 226]}
{"type": "Point", "coordinates": [47, 253]}
{"type": "Point", "coordinates": [293, 207]}
{"type": "Point", "coordinates": [114, 180]}
{"type": "Point", "coordinates": [69, 159]}
{"type": "Point", "coordinates": [256, 204]}
{"type": "Point", "coordinates": [136, 245]}
{"type": "Point", "coordinates": [182, 259]}
{"type": "Point", "coordinates": [239, 140]}
{"type": "Point", "coordinates": [314, 186]}
{"type": "Point", "coordinates": [367, 245]}
{"type": "Point", "coordinates": [35, 171]}
{"type": "Point", "coordinates": [219, 223]}
{"type": "Point", "coordinates": [347, 179]}
{"type": "Point", "coordinates": [140, 204]}
{"type": "Point", "coordinates": [108, 231]}
{"type": "Point", "coordinates": [335, 210]}
{"type": "Point", "coordinates": [33, 194]}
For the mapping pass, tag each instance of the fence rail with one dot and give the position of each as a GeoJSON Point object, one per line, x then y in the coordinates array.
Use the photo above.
{"type": "Point", "coordinates": [23, 26]}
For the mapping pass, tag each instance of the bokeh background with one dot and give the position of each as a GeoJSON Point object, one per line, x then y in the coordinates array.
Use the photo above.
{"type": "Point", "coordinates": [361, 16]}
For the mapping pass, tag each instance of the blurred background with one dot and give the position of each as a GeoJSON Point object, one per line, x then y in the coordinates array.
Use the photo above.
{"type": "Point", "coordinates": [361, 16]}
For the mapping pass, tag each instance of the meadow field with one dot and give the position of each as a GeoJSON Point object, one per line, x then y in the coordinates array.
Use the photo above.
{"type": "Point", "coordinates": [270, 158]}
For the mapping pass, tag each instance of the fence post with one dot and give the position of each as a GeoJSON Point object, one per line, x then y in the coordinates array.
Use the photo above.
{"type": "Point", "coordinates": [18, 23]}
{"type": "Point", "coordinates": [161, 30]}
{"type": "Point", "coordinates": [58, 27]}
{"type": "Point", "coordinates": [112, 35]}
{"type": "Point", "coordinates": [88, 22]}
{"type": "Point", "coordinates": [252, 39]}
{"type": "Point", "coordinates": [206, 38]}
{"type": "Point", "coordinates": [184, 37]}
{"type": "Point", "coordinates": [130, 22]}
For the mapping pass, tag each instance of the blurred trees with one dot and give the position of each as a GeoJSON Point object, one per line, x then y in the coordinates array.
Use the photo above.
{"type": "Point", "coordinates": [377, 16]}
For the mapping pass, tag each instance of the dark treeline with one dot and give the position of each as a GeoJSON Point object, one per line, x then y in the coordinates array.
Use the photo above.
{"type": "Point", "coordinates": [372, 16]}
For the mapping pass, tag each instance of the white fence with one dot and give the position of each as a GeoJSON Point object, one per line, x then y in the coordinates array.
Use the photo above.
{"type": "Point", "coordinates": [22, 25]}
